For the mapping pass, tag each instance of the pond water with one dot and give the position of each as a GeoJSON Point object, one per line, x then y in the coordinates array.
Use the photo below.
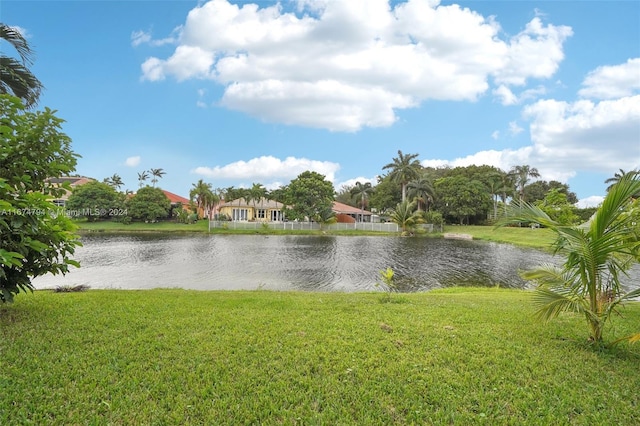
{"type": "Point", "coordinates": [313, 263]}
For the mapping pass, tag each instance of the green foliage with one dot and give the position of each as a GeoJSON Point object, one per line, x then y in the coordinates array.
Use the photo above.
{"type": "Point", "coordinates": [149, 204]}
{"type": "Point", "coordinates": [462, 200]}
{"type": "Point", "coordinates": [595, 256]}
{"type": "Point", "coordinates": [325, 217]}
{"type": "Point", "coordinates": [386, 196]}
{"type": "Point", "coordinates": [538, 190]}
{"type": "Point", "coordinates": [202, 195]}
{"type": "Point", "coordinates": [95, 200]}
{"type": "Point", "coordinates": [403, 170]}
{"type": "Point", "coordinates": [308, 195]}
{"type": "Point", "coordinates": [405, 215]}
{"type": "Point", "coordinates": [556, 205]}
{"type": "Point", "coordinates": [34, 238]}
{"type": "Point", "coordinates": [388, 283]}
{"type": "Point", "coordinates": [15, 77]}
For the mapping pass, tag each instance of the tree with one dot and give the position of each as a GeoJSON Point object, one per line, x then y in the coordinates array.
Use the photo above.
{"type": "Point", "coordinates": [308, 195]}
{"type": "Point", "coordinates": [94, 200]}
{"type": "Point", "coordinates": [558, 208]}
{"type": "Point", "coordinates": [157, 174]}
{"type": "Point", "coordinates": [35, 239]}
{"type": "Point", "coordinates": [521, 175]}
{"type": "Point", "coordinates": [386, 195]}
{"type": "Point", "coordinates": [462, 199]}
{"type": "Point", "coordinates": [618, 176]}
{"type": "Point", "coordinates": [538, 190]}
{"type": "Point", "coordinates": [404, 168]}
{"type": "Point", "coordinates": [149, 204]}
{"type": "Point", "coordinates": [256, 193]}
{"type": "Point", "coordinates": [405, 215]}
{"type": "Point", "coordinates": [142, 177]}
{"type": "Point", "coordinates": [595, 257]}
{"type": "Point", "coordinates": [116, 181]}
{"type": "Point", "coordinates": [421, 189]}
{"type": "Point", "coordinates": [362, 191]}
{"type": "Point", "coordinates": [203, 196]}
{"type": "Point", "coordinates": [325, 216]}
{"type": "Point", "coordinates": [15, 76]}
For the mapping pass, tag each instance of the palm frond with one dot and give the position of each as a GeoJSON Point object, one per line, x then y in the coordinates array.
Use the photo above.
{"type": "Point", "coordinates": [552, 301]}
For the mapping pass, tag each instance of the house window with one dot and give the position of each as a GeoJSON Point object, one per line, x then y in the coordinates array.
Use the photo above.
{"type": "Point", "coordinates": [276, 216]}
{"type": "Point", "coordinates": [240, 214]}
{"type": "Point", "coordinates": [262, 213]}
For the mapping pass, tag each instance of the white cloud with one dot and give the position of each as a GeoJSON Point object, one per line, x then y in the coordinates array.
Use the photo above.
{"type": "Point", "coordinates": [132, 161]}
{"type": "Point", "coordinates": [495, 135]}
{"type": "Point", "coordinates": [345, 65]}
{"type": "Point", "coordinates": [351, 182]}
{"type": "Point", "coordinates": [599, 136]}
{"type": "Point", "coordinates": [592, 201]}
{"type": "Point", "coordinates": [269, 167]}
{"type": "Point", "coordinates": [514, 128]}
{"type": "Point", "coordinates": [140, 37]}
{"type": "Point", "coordinates": [145, 37]}
{"type": "Point", "coordinates": [612, 81]}
{"type": "Point", "coordinates": [505, 95]}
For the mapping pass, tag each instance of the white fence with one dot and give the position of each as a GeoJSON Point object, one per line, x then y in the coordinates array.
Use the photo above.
{"type": "Point", "coordinates": [300, 226]}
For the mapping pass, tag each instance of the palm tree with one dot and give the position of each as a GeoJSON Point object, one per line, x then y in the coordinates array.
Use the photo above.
{"type": "Point", "coordinates": [15, 76]}
{"type": "Point", "coordinates": [521, 175]}
{"type": "Point", "coordinates": [361, 191]}
{"type": "Point", "coordinates": [142, 177]}
{"type": "Point", "coordinates": [617, 176]}
{"type": "Point", "coordinates": [325, 217]}
{"type": "Point", "coordinates": [404, 168]}
{"type": "Point", "coordinates": [595, 256]}
{"type": "Point", "coordinates": [256, 193]}
{"type": "Point", "coordinates": [421, 190]}
{"type": "Point", "coordinates": [116, 181]}
{"type": "Point", "coordinates": [405, 215]}
{"type": "Point", "coordinates": [203, 196]}
{"type": "Point", "coordinates": [157, 174]}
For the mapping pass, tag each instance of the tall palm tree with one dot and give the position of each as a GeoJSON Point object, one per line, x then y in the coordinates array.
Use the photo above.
{"type": "Point", "coordinates": [256, 193]}
{"type": "Point", "coordinates": [404, 168]}
{"type": "Point", "coordinates": [142, 177]}
{"type": "Point", "coordinates": [617, 176]}
{"type": "Point", "coordinates": [116, 181]}
{"type": "Point", "coordinates": [361, 191]}
{"type": "Point", "coordinates": [421, 189]}
{"type": "Point", "coordinates": [521, 176]}
{"type": "Point", "coordinates": [157, 174]}
{"type": "Point", "coordinates": [15, 76]}
{"type": "Point", "coordinates": [595, 257]}
{"type": "Point", "coordinates": [203, 196]}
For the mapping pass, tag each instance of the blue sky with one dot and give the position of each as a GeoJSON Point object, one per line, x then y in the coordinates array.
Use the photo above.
{"type": "Point", "coordinates": [242, 92]}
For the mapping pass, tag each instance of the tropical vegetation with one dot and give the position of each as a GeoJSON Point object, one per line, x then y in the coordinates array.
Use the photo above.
{"type": "Point", "coordinates": [15, 76]}
{"type": "Point", "coordinates": [595, 255]}
{"type": "Point", "coordinates": [34, 238]}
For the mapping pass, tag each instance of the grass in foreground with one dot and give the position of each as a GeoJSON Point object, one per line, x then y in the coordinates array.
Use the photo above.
{"type": "Point", "coordinates": [457, 356]}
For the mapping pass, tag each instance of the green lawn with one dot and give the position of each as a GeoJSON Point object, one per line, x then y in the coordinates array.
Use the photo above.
{"type": "Point", "coordinates": [537, 238]}
{"type": "Point", "coordinates": [175, 357]}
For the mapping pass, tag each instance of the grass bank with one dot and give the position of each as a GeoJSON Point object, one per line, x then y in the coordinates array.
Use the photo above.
{"type": "Point", "coordinates": [175, 357]}
{"type": "Point", "coordinates": [527, 237]}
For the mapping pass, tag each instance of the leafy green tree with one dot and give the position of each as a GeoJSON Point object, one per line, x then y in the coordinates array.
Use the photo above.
{"type": "Point", "coordinates": [94, 200]}
{"type": "Point", "coordinates": [558, 208]}
{"type": "Point", "coordinates": [15, 76]}
{"type": "Point", "coordinates": [521, 175]}
{"type": "Point", "coordinates": [404, 169]}
{"type": "Point", "coordinates": [232, 193]}
{"type": "Point", "coordinates": [325, 216]}
{"type": "Point", "coordinates": [34, 239]}
{"type": "Point", "coordinates": [405, 215]}
{"type": "Point", "coordinates": [362, 191]}
{"type": "Point", "coordinates": [461, 199]}
{"type": "Point", "coordinates": [386, 195]}
{"type": "Point", "coordinates": [538, 190]}
{"type": "Point", "coordinates": [256, 193]}
{"type": "Point", "coordinates": [156, 174]}
{"type": "Point", "coordinates": [149, 204]}
{"type": "Point", "coordinates": [308, 195]}
{"type": "Point", "coordinates": [343, 195]}
{"type": "Point", "coordinates": [595, 257]}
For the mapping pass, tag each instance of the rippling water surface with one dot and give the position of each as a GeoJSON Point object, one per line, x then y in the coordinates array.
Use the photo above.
{"type": "Point", "coordinates": [315, 263]}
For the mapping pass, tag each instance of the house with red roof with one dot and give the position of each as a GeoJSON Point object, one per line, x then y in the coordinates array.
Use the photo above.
{"type": "Point", "coordinates": [349, 214]}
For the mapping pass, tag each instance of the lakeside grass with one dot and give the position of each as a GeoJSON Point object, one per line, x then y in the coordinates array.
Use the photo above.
{"type": "Point", "coordinates": [527, 237]}
{"type": "Point", "coordinates": [176, 357]}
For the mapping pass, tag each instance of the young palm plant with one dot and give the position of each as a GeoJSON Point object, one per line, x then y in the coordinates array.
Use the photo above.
{"type": "Point", "coordinates": [596, 255]}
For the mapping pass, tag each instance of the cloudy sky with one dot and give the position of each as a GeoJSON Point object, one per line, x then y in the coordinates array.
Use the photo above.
{"type": "Point", "coordinates": [237, 92]}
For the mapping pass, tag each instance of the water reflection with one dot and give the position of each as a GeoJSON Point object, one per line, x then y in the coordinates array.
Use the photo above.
{"type": "Point", "coordinates": [316, 263]}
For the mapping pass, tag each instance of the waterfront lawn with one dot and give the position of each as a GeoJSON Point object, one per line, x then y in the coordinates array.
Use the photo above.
{"type": "Point", "coordinates": [175, 357]}
{"type": "Point", "coordinates": [522, 236]}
